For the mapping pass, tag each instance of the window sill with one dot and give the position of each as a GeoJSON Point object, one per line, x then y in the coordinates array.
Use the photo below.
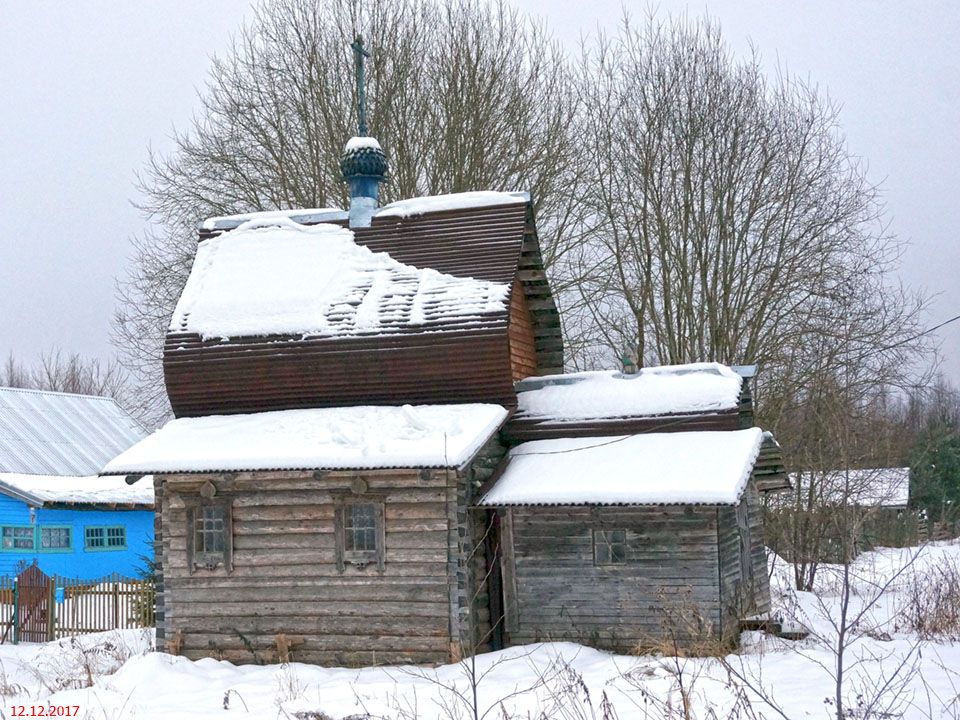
{"type": "Point", "coordinates": [105, 549]}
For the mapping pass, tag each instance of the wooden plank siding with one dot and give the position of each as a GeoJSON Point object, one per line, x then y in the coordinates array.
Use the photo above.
{"type": "Point", "coordinates": [760, 582]}
{"type": "Point", "coordinates": [744, 581]}
{"type": "Point", "coordinates": [556, 592]}
{"type": "Point", "coordinates": [545, 317]}
{"type": "Point", "coordinates": [285, 577]}
{"type": "Point", "coordinates": [523, 352]}
{"type": "Point", "coordinates": [730, 569]}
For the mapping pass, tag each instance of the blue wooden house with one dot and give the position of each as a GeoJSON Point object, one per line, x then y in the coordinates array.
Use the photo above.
{"type": "Point", "coordinates": [54, 509]}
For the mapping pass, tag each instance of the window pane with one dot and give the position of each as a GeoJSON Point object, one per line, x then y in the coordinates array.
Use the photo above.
{"type": "Point", "coordinates": [360, 527]}
{"type": "Point", "coordinates": [618, 553]}
{"type": "Point", "coordinates": [116, 537]}
{"type": "Point", "coordinates": [94, 537]}
{"type": "Point", "coordinates": [53, 538]}
{"type": "Point", "coordinates": [210, 530]}
{"type": "Point", "coordinates": [17, 538]}
{"type": "Point", "coordinates": [609, 547]}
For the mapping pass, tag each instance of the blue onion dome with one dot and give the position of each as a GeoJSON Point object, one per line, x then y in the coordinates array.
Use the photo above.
{"type": "Point", "coordinates": [363, 157]}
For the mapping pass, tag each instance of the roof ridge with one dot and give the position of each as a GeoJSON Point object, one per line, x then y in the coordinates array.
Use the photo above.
{"type": "Point", "coordinates": [36, 391]}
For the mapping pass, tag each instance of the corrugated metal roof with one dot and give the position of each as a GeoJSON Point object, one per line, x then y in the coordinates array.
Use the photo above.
{"type": "Point", "coordinates": [51, 433]}
{"type": "Point", "coordinates": [449, 360]}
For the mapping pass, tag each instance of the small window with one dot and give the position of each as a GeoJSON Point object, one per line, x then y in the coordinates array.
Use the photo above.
{"type": "Point", "coordinates": [93, 538]}
{"type": "Point", "coordinates": [18, 537]}
{"type": "Point", "coordinates": [105, 538]}
{"type": "Point", "coordinates": [609, 547]}
{"type": "Point", "coordinates": [116, 537]}
{"type": "Point", "coordinates": [360, 528]}
{"type": "Point", "coordinates": [360, 534]}
{"type": "Point", "coordinates": [54, 538]}
{"type": "Point", "coordinates": [210, 529]}
{"type": "Point", "coordinates": [211, 536]}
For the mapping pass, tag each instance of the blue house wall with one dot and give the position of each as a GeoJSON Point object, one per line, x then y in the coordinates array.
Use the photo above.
{"type": "Point", "coordinates": [79, 561]}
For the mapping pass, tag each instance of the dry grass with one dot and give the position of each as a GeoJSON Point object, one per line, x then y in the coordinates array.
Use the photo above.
{"type": "Point", "coordinates": [930, 602]}
{"type": "Point", "coordinates": [76, 662]}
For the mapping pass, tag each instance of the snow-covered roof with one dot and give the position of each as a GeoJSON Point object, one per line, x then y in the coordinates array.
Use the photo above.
{"type": "Point", "coordinates": [83, 490]}
{"type": "Point", "coordinates": [309, 216]}
{"type": "Point", "coordinates": [316, 439]}
{"type": "Point", "coordinates": [867, 487]}
{"type": "Point", "coordinates": [273, 276]}
{"type": "Point", "coordinates": [666, 390]}
{"type": "Point", "coordinates": [454, 201]}
{"type": "Point", "coordinates": [53, 433]}
{"type": "Point", "coordinates": [706, 468]}
{"type": "Point", "coordinates": [401, 208]}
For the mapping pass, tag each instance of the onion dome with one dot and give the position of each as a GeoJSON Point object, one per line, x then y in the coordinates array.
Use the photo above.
{"type": "Point", "coordinates": [363, 157]}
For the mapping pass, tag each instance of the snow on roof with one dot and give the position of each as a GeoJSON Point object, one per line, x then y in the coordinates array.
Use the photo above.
{"type": "Point", "coordinates": [53, 433]}
{"type": "Point", "coordinates": [454, 201]}
{"type": "Point", "coordinates": [357, 142]}
{"type": "Point", "coordinates": [867, 487]}
{"type": "Point", "coordinates": [706, 468]}
{"type": "Point", "coordinates": [307, 216]}
{"type": "Point", "coordinates": [316, 439]}
{"type": "Point", "coordinates": [670, 389]}
{"type": "Point", "coordinates": [86, 490]}
{"type": "Point", "coordinates": [273, 276]}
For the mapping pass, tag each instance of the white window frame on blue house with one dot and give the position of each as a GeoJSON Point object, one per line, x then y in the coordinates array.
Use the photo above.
{"type": "Point", "coordinates": [104, 532]}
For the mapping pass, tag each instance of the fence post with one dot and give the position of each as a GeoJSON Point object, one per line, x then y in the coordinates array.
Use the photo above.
{"type": "Point", "coordinates": [16, 612]}
{"type": "Point", "coordinates": [116, 604]}
{"type": "Point", "coordinates": [52, 609]}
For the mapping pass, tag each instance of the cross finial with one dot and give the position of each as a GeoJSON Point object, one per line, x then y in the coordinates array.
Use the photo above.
{"type": "Point", "coordinates": [359, 53]}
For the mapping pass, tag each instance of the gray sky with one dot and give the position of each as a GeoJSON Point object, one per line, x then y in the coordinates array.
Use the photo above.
{"type": "Point", "coordinates": [86, 87]}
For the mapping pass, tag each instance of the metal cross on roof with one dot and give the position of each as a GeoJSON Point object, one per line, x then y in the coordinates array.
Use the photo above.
{"type": "Point", "coordinates": [359, 53]}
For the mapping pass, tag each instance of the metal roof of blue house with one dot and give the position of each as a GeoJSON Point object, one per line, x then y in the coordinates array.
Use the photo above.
{"type": "Point", "coordinates": [52, 433]}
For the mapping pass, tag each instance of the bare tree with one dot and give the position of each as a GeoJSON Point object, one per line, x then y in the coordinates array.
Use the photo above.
{"type": "Point", "coordinates": [69, 373]}
{"type": "Point", "coordinates": [844, 438]}
{"type": "Point", "coordinates": [14, 374]}
{"type": "Point", "coordinates": [463, 96]}
{"type": "Point", "coordinates": [726, 219]}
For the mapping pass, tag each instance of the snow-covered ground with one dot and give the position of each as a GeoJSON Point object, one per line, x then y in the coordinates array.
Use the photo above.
{"type": "Point", "coordinates": [113, 675]}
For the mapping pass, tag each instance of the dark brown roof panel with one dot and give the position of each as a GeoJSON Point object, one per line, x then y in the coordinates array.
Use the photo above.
{"type": "Point", "coordinates": [522, 429]}
{"type": "Point", "coordinates": [246, 375]}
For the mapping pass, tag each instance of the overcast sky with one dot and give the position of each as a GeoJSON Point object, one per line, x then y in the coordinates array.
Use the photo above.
{"type": "Point", "coordinates": [86, 87]}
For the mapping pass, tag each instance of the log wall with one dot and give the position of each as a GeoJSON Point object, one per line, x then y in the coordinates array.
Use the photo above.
{"type": "Point", "coordinates": [285, 578]}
